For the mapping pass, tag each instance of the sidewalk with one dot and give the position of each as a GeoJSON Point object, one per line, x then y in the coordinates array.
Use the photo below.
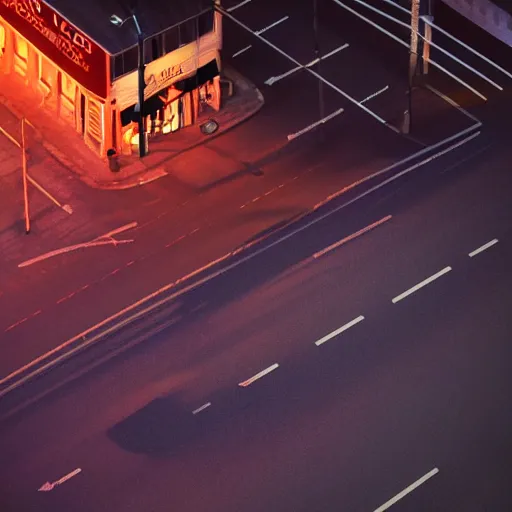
{"type": "Point", "coordinates": [68, 148]}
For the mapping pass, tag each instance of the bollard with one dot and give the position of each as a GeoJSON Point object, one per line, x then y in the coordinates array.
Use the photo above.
{"type": "Point", "coordinates": [113, 160]}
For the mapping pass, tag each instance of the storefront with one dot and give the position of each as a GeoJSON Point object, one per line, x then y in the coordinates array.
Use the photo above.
{"type": "Point", "coordinates": [93, 87]}
{"type": "Point", "coordinates": [179, 84]}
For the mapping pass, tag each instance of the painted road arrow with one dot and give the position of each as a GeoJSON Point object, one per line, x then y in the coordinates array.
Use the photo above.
{"type": "Point", "coordinates": [50, 486]}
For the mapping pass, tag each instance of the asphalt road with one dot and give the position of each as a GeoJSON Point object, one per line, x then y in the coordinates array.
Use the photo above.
{"type": "Point", "coordinates": [419, 384]}
{"type": "Point", "coordinates": [343, 426]}
{"type": "Point", "coordinates": [180, 232]}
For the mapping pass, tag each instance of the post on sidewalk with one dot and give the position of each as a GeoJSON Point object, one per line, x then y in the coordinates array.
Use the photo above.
{"type": "Point", "coordinates": [413, 64]}
{"type": "Point", "coordinates": [426, 44]}
{"type": "Point", "coordinates": [25, 179]}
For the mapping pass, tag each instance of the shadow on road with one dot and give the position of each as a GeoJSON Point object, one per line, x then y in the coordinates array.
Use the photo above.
{"type": "Point", "coordinates": [159, 429]}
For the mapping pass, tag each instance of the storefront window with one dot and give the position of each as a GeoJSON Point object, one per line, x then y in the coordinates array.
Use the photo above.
{"type": "Point", "coordinates": [47, 74]}
{"type": "Point", "coordinates": [171, 39]}
{"type": "Point", "coordinates": [153, 48]}
{"type": "Point", "coordinates": [205, 23]}
{"type": "Point", "coordinates": [21, 56]}
{"type": "Point", "coordinates": [21, 47]}
{"type": "Point", "coordinates": [95, 124]}
{"type": "Point", "coordinates": [188, 32]}
{"type": "Point", "coordinates": [68, 87]}
{"type": "Point", "coordinates": [67, 98]}
{"type": "Point", "coordinates": [2, 40]}
{"type": "Point", "coordinates": [125, 62]}
{"type": "Point", "coordinates": [161, 44]}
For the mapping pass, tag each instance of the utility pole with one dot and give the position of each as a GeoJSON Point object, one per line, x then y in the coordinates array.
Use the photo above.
{"type": "Point", "coordinates": [319, 59]}
{"type": "Point", "coordinates": [428, 36]}
{"type": "Point", "coordinates": [413, 63]}
{"type": "Point", "coordinates": [25, 181]}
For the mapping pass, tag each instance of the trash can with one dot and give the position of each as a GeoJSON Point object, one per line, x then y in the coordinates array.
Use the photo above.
{"type": "Point", "coordinates": [113, 160]}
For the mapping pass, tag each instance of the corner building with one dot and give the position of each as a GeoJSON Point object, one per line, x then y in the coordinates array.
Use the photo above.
{"type": "Point", "coordinates": [84, 69]}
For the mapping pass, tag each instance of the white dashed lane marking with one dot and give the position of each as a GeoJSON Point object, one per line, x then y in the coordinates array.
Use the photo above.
{"type": "Point", "coordinates": [202, 408]}
{"type": "Point", "coordinates": [259, 375]}
{"type": "Point", "coordinates": [407, 490]}
{"type": "Point", "coordinates": [482, 248]}
{"type": "Point", "coordinates": [259, 32]}
{"type": "Point", "coordinates": [335, 333]}
{"type": "Point", "coordinates": [237, 6]}
{"type": "Point", "coordinates": [239, 52]}
{"type": "Point", "coordinates": [415, 288]}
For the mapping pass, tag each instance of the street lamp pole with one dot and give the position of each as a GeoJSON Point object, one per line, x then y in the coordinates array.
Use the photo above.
{"type": "Point", "coordinates": [413, 62]}
{"type": "Point", "coordinates": [141, 87]}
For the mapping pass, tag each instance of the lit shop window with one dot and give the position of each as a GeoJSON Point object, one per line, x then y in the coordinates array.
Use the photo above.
{"type": "Point", "coordinates": [20, 55]}
{"type": "Point", "coordinates": [2, 40]}
{"type": "Point", "coordinates": [47, 75]}
{"type": "Point", "coordinates": [68, 89]}
{"type": "Point", "coordinates": [95, 126]}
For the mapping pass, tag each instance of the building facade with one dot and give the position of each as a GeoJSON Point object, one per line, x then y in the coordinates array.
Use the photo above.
{"type": "Point", "coordinates": [85, 72]}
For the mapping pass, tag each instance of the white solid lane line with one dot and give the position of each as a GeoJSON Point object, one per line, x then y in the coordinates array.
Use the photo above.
{"type": "Point", "coordinates": [235, 7]}
{"type": "Point", "coordinates": [239, 52]}
{"type": "Point", "coordinates": [335, 333]}
{"type": "Point", "coordinates": [315, 124]}
{"type": "Point", "coordinates": [254, 378]}
{"type": "Point", "coordinates": [259, 32]}
{"type": "Point", "coordinates": [202, 408]}
{"type": "Point", "coordinates": [351, 237]}
{"type": "Point", "coordinates": [421, 285]}
{"type": "Point", "coordinates": [272, 25]}
{"type": "Point", "coordinates": [407, 490]}
{"type": "Point", "coordinates": [330, 54]}
{"type": "Point", "coordinates": [482, 248]}
{"type": "Point", "coordinates": [373, 95]}
{"type": "Point", "coordinates": [273, 79]}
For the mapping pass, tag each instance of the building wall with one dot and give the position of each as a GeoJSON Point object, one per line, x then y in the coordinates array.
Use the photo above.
{"type": "Point", "coordinates": [53, 89]}
{"type": "Point", "coordinates": [160, 75]}
{"type": "Point", "coordinates": [98, 119]}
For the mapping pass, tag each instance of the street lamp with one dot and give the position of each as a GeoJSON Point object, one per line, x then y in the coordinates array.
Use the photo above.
{"type": "Point", "coordinates": [118, 22]}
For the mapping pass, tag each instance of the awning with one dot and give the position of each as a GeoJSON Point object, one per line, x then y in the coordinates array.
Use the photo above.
{"type": "Point", "coordinates": [203, 75]}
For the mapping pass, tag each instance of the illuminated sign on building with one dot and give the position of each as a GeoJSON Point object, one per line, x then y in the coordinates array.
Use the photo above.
{"type": "Point", "coordinates": [60, 41]}
{"type": "Point", "coordinates": [163, 72]}
{"type": "Point", "coordinates": [157, 81]}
